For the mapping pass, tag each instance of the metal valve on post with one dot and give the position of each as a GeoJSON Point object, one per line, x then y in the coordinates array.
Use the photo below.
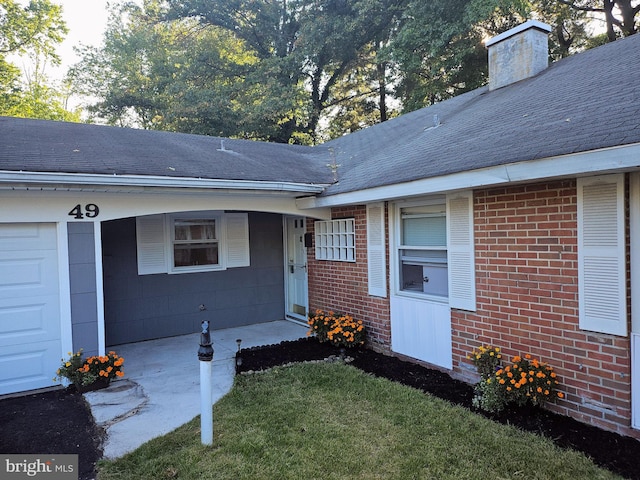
{"type": "Point", "coordinates": [205, 355]}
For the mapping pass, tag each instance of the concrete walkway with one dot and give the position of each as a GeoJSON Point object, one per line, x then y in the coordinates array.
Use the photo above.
{"type": "Point", "coordinates": [161, 387]}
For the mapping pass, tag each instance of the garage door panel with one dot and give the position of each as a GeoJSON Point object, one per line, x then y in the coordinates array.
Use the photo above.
{"type": "Point", "coordinates": [28, 368]}
{"type": "Point", "coordinates": [30, 328]}
{"type": "Point", "coordinates": [29, 321]}
{"type": "Point", "coordinates": [25, 236]}
{"type": "Point", "coordinates": [28, 273]}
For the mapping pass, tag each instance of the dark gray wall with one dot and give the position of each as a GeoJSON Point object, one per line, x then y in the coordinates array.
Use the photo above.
{"type": "Point", "coordinates": [82, 278]}
{"type": "Point", "coordinates": [144, 307]}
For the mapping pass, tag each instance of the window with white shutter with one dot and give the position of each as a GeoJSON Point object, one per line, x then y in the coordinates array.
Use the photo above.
{"type": "Point", "coordinates": [376, 249]}
{"type": "Point", "coordinates": [601, 254]}
{"type": "Point", "coordinates": [183, 243]}
{"type": "Point", "coordinates": [435, 249]}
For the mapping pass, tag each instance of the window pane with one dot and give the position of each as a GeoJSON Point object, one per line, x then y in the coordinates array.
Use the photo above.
{"type": "Point", "coordinates": [424, 226]}
{"type": "Point", "coordinates": [424, 272]}
{"type": "Point", "coordinates": [196, 229]}
{"type": "Point", "coordinates": [195, 254]}
{"type": "Point", "coordinates": [424, 231]}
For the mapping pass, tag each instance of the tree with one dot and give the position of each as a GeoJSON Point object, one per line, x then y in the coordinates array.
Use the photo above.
{"type": "Point", "coordinates": [301, 43]}
{"type": "Point", "coordinates": [439, 46]}
{"type": "Point", "coordinates": [32, 31]}
{"type": "Point", "coordinates": [180, 75]}
{"type": "Point", "coordinates": [621, 16]}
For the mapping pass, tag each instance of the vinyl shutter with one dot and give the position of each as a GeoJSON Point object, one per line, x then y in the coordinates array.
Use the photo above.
{"type": "Point", "coordinates": [237, 240]}
{"type": "Point", "coordinates": [601, 254]}
{"type": "Point", "coordinates": [376, 258]}
{"type": "Point", "coordinates": [151, 244]}
{"type": "Point", "coordinates": [460, 251]}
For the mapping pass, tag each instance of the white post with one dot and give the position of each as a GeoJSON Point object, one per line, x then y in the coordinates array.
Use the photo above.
{"type": "Point", "coordinates": [206, 401]}
{"type": "Point", "coordinates": [205, 355]}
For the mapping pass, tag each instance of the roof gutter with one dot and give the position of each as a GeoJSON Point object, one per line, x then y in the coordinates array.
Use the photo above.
{"type": "Point", "coordinates": [595, 162]}
{"type": "Point", "coordinates": [48, 179]}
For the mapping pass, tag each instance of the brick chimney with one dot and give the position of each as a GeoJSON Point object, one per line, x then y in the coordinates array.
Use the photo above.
{"type": "Point", "coordinates": [519, 53]}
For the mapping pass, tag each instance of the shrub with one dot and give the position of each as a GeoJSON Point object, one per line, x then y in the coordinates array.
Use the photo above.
{"type": "Point", "coordinates": [527, 381]}
{"type": "Point", "coordinates": [487, 360]}
{"type": "Point", "coordinates": [339, 329]}
{"type": "Point", "coordinates": [85, 372]}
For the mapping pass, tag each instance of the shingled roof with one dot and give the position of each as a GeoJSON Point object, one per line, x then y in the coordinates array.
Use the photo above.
{"type": "Point", "coordinates": [47, 146]}
{"type": "Point", "coordinates": [585, 102]}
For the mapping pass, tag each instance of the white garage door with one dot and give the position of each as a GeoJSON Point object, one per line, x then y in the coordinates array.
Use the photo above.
{"type": "Point", "coordinates": [30, 348]}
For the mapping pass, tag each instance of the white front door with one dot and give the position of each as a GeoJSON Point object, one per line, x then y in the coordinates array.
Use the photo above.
{"type": "Point", "coordinates": [30, 331]}
{"type": "Point", "coordinates": [296, 268]}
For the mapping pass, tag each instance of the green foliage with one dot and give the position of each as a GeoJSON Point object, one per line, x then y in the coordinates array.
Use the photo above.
{"type": "Point", "coordinates": [333, 421]}
{"type": "Point", "coordinates": [33, 30]}
{"type": "Point", "coordinates": [36, 26]}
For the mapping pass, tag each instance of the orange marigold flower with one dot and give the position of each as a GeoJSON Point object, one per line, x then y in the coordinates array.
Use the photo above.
{"type": "Point", "coordinates": [516, 359]}
{"type": "Point", "coordinates": [120, 374]}
{"type": "Point", "coordinates": [527, 356]}
{"type": "Point", "coordinates": [560, 395]}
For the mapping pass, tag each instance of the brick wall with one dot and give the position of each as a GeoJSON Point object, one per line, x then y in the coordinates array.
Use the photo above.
{"type": "Point", "coordinates": [343, 287]}
{"type": "Point", "coordinates": [527, 301]}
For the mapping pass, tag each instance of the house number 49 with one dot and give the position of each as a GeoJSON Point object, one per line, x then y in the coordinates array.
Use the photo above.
{"type": "Point", "coordinates": [91, 210]}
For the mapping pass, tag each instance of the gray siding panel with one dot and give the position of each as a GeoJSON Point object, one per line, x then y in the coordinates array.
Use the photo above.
{"type": "Point", "coordinates": [82, 278]}
{"type": "Point", "coordinates": [144, 307]}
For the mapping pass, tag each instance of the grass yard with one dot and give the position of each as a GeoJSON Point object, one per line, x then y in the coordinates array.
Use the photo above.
{"type": "Point", "coordinates": [332, 421]}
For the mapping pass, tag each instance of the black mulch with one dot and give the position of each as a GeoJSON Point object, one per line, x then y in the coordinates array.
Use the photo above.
{"type": "Point", "coordinates": [53, 422]}
{"type": "Point", "coordinates": [609, 450]}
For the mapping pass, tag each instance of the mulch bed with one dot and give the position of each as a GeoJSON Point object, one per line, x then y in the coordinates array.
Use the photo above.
{"type": "Point", "coordinates": [612, 451]}
{"type": "Point", "coordinates": [53, 422]}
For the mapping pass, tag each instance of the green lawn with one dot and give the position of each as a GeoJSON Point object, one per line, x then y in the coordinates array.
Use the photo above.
{"type": "Point", "coordinates": [332, 421]}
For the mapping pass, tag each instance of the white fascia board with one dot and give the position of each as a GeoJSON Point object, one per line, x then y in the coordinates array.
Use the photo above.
{"type": "Point", "coordinates": [609, 160]}
{"type": "Point", "coordinates": [88, 180]}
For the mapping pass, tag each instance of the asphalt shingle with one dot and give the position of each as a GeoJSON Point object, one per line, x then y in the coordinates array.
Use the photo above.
{"type": "Point", "coordinates": [585, 102]}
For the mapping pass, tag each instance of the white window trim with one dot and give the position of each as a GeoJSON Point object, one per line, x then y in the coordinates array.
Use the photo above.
{"type": "Point", "coordinates": [220, 235]}
{"type": "Point", "coordinates": [395, 218]}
